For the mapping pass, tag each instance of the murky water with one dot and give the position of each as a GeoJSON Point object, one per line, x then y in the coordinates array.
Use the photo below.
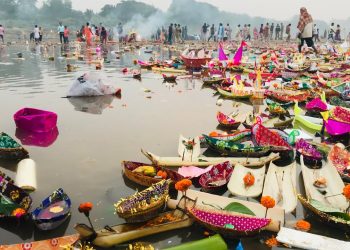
{"type": "Point", "coordinates": [96, 134]}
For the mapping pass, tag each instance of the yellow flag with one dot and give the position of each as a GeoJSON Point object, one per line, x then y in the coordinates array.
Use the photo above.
{"type": "Point", "coordinates": [325, 115]}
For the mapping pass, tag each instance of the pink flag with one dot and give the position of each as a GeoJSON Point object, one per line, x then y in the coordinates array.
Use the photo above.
{"type": "Point", "coordinates": [239, 54]}
{"type": "Point", "coordinates": [222, 56]}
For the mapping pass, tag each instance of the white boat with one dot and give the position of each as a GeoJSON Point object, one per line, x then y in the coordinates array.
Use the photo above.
{"type": "Point", "coordinates": [236, 184]}
{"type": "Point", "coordinates": [280, 184]}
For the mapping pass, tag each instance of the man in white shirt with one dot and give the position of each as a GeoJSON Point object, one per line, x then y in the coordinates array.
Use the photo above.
{"type": "Point", "coordinates": [36, 34]}
{"type": "Point", "coordinates": [60, 30]}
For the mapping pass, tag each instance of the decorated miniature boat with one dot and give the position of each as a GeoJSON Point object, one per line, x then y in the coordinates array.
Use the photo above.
{"type": "Point", "coordinates": [14, 201]}
{"type": "Point", "coordinates": [207, 161]}
{"type": "Point", "coordinates": [312, 156]}
{"type": "Point", "coordinates": [232, 148]}
{"type": "Point", "coordinates": [114, 235]}
{"type": "Point", "coordinates": [266, 137]}
{"type": "Point", "coordinates": [53, 211]}
{"type": "Point", "coordinates": [35, 120]}
{"type": "Point", "coordinates": [147, 175]}
{"type": "Point", "coordinates": [10, 149]}
{"type": "Point", "coordinates": [312, 123]}
{"type": "Point", "coordinates": [228, 224]}
{"type": "Point", "coordinates": [326, 214]}
{"type": "Point", "coordinates": [237, 137]}
{"type": "Point", "coordinates": [243, 94]}
{"type": "Point", "coordinates": [324, 185]}
{"type": "Point", "coordinates": [228, 122]}
{"type": "Point", "coordinates": [247, 182]}
{"type": "Point", "coordinates": [213, 80]}
{"type": "Point", "coordinates": [340, 114]}
{"type": "Point", "coordinates": [216, 178]}
{"type": "Point", "coordinates": [339, 157]}
{"type": "Point", "coordinates": [280, 184]}
{"type": "Point", "coordinates": [283, 96]}
{"type": "Point", "coordinates": [144, 205]}
{"type": "Point", "coordinates": [316, 106]}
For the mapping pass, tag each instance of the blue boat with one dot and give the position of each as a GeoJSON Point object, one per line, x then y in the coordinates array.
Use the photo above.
{"type": "Point", "coordinates": [53, 211]}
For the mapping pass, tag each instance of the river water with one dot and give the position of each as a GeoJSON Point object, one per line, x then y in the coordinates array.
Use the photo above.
{"type": "Point", "coordinates": [96, 134]}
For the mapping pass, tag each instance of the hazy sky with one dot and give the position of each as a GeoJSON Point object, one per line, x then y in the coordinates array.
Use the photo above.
{"type": "Point", "coordinates": [279, 9]}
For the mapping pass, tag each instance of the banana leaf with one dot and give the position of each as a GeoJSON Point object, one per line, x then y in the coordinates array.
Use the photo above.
{"type": "Point", "coordinates": [330, 210]}
{"type": "Point", "coordinates": [238, 208]}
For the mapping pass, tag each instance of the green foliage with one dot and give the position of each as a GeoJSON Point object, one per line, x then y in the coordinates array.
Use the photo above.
{"type": "Point", "coordinates": [239, 208]}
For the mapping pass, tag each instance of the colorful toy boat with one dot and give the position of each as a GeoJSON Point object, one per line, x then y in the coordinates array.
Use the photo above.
{"type": "Point", "coordinates": [53, 211]}
{"type": "Point", "coordinates": [232, 148]}
{"type": "Point", "coordinates": [216, 178]}
{"type": "Point", "coordinates": [10, 149]}
{"type": "Point", "coordinates": [228, 224]}
{"type": "Point", "coordinates": [226, 121]}
{"type": "Point", "coordinates": [280, 184]}
{"type": "Point", "coordinates": [244, 94]}
{"type": "Point", "coordinates": [14, 201]}
{"type": "Point", "coordinates": [144, 205]}
{"type": "Point", "coordinates": [339, 157]}
{"type": "Point", "coordinates": [141, 178]}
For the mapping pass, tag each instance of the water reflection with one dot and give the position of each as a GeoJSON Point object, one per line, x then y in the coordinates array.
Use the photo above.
{"type": "Point", "coordinates": [92, 104]}
{"type": "Point", "coordinates": [30, 138]}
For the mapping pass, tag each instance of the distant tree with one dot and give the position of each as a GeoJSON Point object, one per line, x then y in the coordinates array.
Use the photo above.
{"type": "Point", "coordinates": [8, 8]}
{"type": "Point", "coordinates": [88, 14]}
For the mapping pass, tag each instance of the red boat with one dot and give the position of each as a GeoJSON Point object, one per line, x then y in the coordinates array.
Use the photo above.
{"type": "Point", "coordinates": [196, 63]}
{"type": "Point", "coordinates": [252, 76]}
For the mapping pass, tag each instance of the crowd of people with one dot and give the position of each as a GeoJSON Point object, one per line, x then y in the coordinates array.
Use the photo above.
{"type": "Point", "coordinates": [176, 33]}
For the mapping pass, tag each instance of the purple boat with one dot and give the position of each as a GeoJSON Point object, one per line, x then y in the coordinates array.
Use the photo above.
{"type": "Point", "coordinates": [35, 120]}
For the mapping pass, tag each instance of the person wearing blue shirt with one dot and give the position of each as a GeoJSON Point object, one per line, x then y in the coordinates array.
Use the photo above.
{"type": "Point", "coordinates": [60, 31]}
{"type": "Point", "coordinates": [220, 33]}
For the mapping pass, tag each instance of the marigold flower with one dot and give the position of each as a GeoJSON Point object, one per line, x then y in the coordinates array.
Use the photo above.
{"type": "Point", "coordinates": [162, 174]}
{"type": "Point", "coordinates": [346, 191]}
{"type": "Point", "coordinates": [85, 208]}
{"type": "Point", "coordinates": [267, 201]}
{"type": "Point", "coordinates": [213, 134]}
{"type": "Point", "coordinates": [303, 225]}
{"type": "Point", "coordinates": [183, 185]}
{"type": "Point", "coordinates": [18, 212]}
{"type": "Point", "coordinates": [272, 242]}
{"type": "Point", "coordinates": [249, 180]}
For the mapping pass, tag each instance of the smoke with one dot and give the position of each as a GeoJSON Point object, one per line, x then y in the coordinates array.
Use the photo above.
{"type": "Point", "coordinates": [144, 26]}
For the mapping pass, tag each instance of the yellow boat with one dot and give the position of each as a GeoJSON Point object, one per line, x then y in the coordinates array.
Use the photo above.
{"type": "Point", "coordinates": [312, 123]}
{"type": "Point", "coordinates": [169, 70]}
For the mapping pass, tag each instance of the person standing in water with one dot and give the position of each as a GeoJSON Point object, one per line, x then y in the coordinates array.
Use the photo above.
{"type": "Point", "coordinates": [288, 32]}
{"type": "Point", "coordinates": [282, 30]}
{"type": "Point", "coordinates": [60, 30]}
{"type": "Point", "coordinates": [103, 35]}
{"type": "Point", "coordinates": [212, 33]}
{"type": "Point", "coordinates": [66, 35]}
{"type": "Point", "coordinates": [220, 33]}
{"type": "Point", "coordinates": [36, 34]}
{"type": "Point", "coordinates": [305, 28]}
{"type": "Point", "coordinates": [170, 34]}
{"type": "Point", "coordinates": [2, 33]}
{"type": "Point", "coordinates": [88, 34]}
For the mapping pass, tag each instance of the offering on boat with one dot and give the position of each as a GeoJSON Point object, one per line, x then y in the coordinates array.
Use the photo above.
{"type": "Point", "coordinates": [53, 211]}
{"type": "Point", "coordinates": [144, 205]}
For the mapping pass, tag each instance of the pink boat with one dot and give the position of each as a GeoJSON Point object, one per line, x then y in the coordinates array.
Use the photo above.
{"type": "Point", "coordinates": [35, 120]}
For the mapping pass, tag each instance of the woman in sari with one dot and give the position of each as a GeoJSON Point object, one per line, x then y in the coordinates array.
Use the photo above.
{"type": "Point", "coordinates": [305, 28]}
{"type": "Point", "coordinates": [88, 34]}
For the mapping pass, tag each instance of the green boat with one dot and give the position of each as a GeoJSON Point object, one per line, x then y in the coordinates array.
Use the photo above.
{"type": "Point", "coordinates": [10, 149]}
{"type": "Point", "coordinates": [231, 148]}
{"type": "Point", "coordinates": [226, 94]}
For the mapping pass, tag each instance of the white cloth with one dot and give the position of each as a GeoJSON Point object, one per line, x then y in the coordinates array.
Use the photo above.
{"type": "Point", "coordinates": [307, 32]}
